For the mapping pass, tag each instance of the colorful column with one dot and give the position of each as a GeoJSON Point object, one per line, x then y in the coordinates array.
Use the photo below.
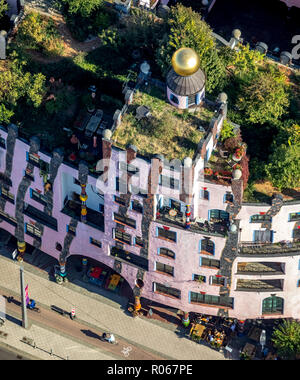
{"type": "Point", "coordinates": [188, 217]}
{"type": "Point", "coordinates": [137, 304]}
{"type": "Point", "coordinates": [21, 250]}
{"type": "Point", "coordinates": [83, 198]}
{"type": "Point", "coordinates": [62, 269]}
{"type": "Point", "coordinates": [185, 319]}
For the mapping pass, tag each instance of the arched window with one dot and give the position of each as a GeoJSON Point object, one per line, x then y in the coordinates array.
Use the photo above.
{"type": "Point", "coordinates": [207, 247]}
{"type": "Point", "coordinates": [272, 305]}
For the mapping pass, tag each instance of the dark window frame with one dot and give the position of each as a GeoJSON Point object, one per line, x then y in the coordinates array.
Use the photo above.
{"type": "Point", "coordinates": [166, 290]}
{"type": "Point", "coordinates": [164, 268]}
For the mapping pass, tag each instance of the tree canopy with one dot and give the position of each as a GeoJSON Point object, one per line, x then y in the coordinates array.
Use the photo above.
{"type": "Point", "coordinates": [3, 7]}
{"type": "Point", "coordinates": [286, 339]}
{"type": "Point", "coordinates": [186, 29]}
{"type": "Point", "coordinates": [83, 7]}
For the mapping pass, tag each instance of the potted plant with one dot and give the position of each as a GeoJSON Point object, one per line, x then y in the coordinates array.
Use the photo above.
{"type": "Point", "coordinates": [208, 171]}
{"type": "Point", "coordinates": [238, 154]}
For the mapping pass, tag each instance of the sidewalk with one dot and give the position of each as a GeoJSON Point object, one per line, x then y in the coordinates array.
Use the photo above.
{"type": "Point", "coordinates": [104, 314]}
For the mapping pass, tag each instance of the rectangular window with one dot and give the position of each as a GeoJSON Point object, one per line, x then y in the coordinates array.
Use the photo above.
{"type": "Point", "coordinates": [163, 268]}
{"type": "Point", "coordinates": [7, 218]}
{"type": "Point", "coordinates": [118, 218]}
{"type": "Point", "coordinates": [294, 216]}
{"type": "Point", "coordinates": [199, 278]}
{"type": "Point", "coordinates": [296, 233]}
{"type": "Point", "coordinates": [218, 280]}
{"type": "Point", "coordinates": [29, 174]}
{"type": "Point", "coordinates": [138, 191]}
{"type": "Point", "coordinates": [128, 167]}
{"type": "Point", "coordinates": [209, 263]}
{"type": "Point", "coordinates": [120, 201]}
{"type": "Point", "coordinates": [166, 253]}
{"type": "Point", "coordinates": [218, 215]}
{"type": "Point", "coordinates": [34, 159]}
{"type": "Point", "coordinates": [166, 234]}
{"type": "Point", "coordinates": [33, 231]}
{"type": "Point", "coordinates": [95, 242]}
{"type": "Point", "coordinates": [5, 194]}
{"type": "Point", "coordinates": [207, 247]}
{"type": "Point", "coordinates": [228, 198]}
{"type": "Point", "coordinates": [38, 197]}
{"type": "Point", "coordinates": [263, 236]}
{"type": "Point", "coordinates": [167, 290]}
{"type": "Point", "coordinates": [2, 143]}
{"type": "Point", "coordinates": [137, 206]}
{"type": "Point", "coordinates": [121, 186]}
{"type": "Point", "coordinates": [260, 218]}
{"type": "Point", "coordinates": [130, 258]}
{"type": "Point", "coordinates": [204, 194]}
{"type": "Point", "coordinates": [40, 216]}
{"type": "Point", "coordinates": [211, 300]}
{"type": "Point", "coordinates": [122, 236]}
{"type": "Point", "coordinates": [170, 182]}
{"type": "Point", "coordinates": [139, 242]}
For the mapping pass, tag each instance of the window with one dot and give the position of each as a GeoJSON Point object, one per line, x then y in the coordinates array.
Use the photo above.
{"type": "Point", "coordinates": [209, 263]}
{"type": "Point", "coordinates": [128, 167]}
{"type": "Point", "coordinates": [7, 218]}
{"type": "Point", "coordinates": [34, 159]}
{"type": "Point", "coordinates": [218, 280]}
{"type": "Point", "coordinates": [170, 182]}
{"type": "Point", "coordinates": [211, 300]}
{"type": "Point", "coordinates": [28, 174]}
{"type": "Point", "coordinates": [296, 233]}
{"type": "Point", "coordinates": [120, 201]}
{"type": "Point", "coordinates": [228, 198]}
{"type": "Point", "coordinates": [38, 197]}
{"type": "Point", "coordinates": [137, 206]}
{"type": "Point", "coordinates": [263, 236]}
{"type": "Point", "coordinates": [5, 194]}
{"type": "Point", "coordinates": [118, 218]}
{"type": "Point", "coordinates": [207, 247]}
{"type": "Point", "coordinates": [218, 215]}
{"type": "Point", "coordinates": [122, 236]}
{"type": "Point", "coordinates": [272, 305]}
{"type": "Point", "coordinates": [199, 278]}
{"type": "Point", "coordinates": [260, 218]}
{"type": "Point", "coordinates": [139, 242]}
{"type": "Point", "coordinates": [2, 143]}
{"type": "Point", "coordinates": [174, 99]}
{"type": "Point", "coordinates": [95, 242]}
{"type": "Point", "coordinates": [204, 194]}
{"type": "Point", "coordinates": [294, 216]}
{"type": "Point", "coordinates": [33, 231]}
{"type": "Point", "coordinates": [165, 233]}
{"type": "Point", "coordinates": [130, 258]}
{"type": "Point", "coordinates": [138, 191]}
{"type": "Point", "coordinates": [40, 216]}
{"type": "Point", "coordinates": [121, 186]}
{"type": "Point", "coordinates": [166, 290]}
{"type": "Point", "coordinates": [166, 253]}
{"type": "Point", "coordinates": [163, 268]}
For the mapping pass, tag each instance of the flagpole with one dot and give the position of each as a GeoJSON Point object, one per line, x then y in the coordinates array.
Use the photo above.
{"type": "Point", "coordinates": [23, 299]}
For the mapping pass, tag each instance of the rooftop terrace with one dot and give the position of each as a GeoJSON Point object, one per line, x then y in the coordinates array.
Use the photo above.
{"type": "Point", "coordinates": [166, 130]}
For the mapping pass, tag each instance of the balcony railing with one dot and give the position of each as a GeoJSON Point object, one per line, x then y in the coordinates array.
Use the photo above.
{"type": "Point", "coordinates": [164, 215]}
{"type": "Point", "coordinates": [94, 218]}
{"type": "Point", "coordinates": [250, 248]}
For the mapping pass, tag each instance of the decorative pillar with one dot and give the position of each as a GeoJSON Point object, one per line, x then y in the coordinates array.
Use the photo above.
{"type": "Point", "coordinates": [137, 304]}
{"type": "Point", "coordinates": [185, 319]}
{"type": "Point", "coordinates": [21, 250]}
{"type": "Point", "coordinates": [62, 269]}
{"type": "Point", "coordinates": [188, 215]}
{"type": "Point", "coordinates": [84, 267]}
{"type": "Point", "coordinates": [83, 198]}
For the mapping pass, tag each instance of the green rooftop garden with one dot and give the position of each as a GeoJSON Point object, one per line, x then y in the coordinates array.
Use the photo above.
{"type": "Point", "coordinates": [168, 131]}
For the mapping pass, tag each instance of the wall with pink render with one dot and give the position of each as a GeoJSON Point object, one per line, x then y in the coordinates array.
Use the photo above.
{"type": "Point", "coordinates": [292, 3]}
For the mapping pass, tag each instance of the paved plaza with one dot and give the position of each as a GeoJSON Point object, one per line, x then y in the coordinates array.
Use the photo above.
{"type": "Point", "coordinates": [95, 311]}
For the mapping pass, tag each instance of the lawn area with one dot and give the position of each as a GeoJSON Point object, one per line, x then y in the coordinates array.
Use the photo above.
{"type": "Point", "coordinates": [168, 131]}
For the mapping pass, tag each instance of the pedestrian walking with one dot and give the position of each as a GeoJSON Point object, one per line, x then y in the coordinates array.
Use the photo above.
{"type": "Point", "coordinates": [72, 314]}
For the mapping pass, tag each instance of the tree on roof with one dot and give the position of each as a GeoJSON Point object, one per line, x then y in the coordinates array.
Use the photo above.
{"type": "Point", "coordinates": [286, 339]}
{"type": "Point", "coordinates": [83, 7]}
{"type": "Point", "coordinates": [3, 7]}
{"type": "Point", "coordinates": [186, 29]}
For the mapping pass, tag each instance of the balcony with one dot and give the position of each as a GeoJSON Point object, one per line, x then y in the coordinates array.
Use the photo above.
{"type": "Point", "coordinates": [276, 249]}
{"type": "Point", "coordinates": [261, 268]}
{"type": "Point", "coordinates": [175, 218]}
{"type": "Point", "coordinates": [94, 219]}
{"type": "Point", "coordinates": [259, 285]}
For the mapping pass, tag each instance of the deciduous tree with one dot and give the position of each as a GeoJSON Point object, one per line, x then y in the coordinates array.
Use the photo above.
{"type": "Point", "coordinates": [286, 339]}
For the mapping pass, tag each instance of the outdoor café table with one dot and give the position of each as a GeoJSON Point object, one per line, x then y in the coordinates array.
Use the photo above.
{"type": "Point", "coordinates": [197, 331]}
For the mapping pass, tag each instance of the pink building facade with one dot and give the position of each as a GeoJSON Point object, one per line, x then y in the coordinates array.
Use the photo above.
{"type": "Point", "coordinates": [217, 264]}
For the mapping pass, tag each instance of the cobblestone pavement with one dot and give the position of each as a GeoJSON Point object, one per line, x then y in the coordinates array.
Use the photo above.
{"type": "Point", "coordinates": [104, 315]}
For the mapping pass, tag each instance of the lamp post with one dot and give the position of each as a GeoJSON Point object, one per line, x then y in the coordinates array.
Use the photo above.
{"type": "Point", "coordinates": [23, 299]}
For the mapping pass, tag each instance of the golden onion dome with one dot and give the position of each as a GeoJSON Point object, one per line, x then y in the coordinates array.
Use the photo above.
{"type": "Point", "coordinates": [185, 61]}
